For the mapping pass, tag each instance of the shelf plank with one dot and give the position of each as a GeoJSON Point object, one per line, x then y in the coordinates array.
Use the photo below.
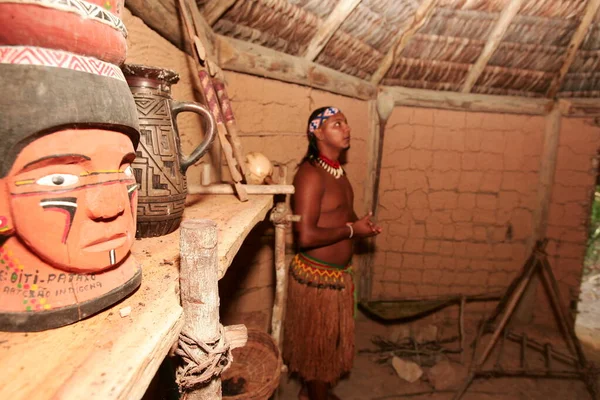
{"type": "Point", "coordinates": [110, 357]}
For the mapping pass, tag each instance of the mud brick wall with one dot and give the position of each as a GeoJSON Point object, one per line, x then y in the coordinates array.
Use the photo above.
{"type": "Point", "coordinates": [457, 195]}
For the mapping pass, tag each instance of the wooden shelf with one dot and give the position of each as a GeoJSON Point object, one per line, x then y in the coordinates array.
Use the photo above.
{"type": "Point", "coordinates": [110, 357]}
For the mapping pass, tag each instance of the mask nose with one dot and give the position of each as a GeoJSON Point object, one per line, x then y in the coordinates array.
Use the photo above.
{"type": "Point", "coordinates": [106, 201]}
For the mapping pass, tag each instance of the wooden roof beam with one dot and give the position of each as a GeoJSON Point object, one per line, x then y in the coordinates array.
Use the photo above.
{"type": "Point", "coordinates": [492, 44]}
{"type": "Point", "coordinates": [214, 9]}
{"type": "Point", "coordinates": [590, 12]}
{"type": "Point", "coordinates": [328, 28]}
{"type": "Point", "coordinates": [468, 101]}
{"type": "Point", "coordinates": [421, 16]}
{"type": "Point", "coordinates": [248, 58]}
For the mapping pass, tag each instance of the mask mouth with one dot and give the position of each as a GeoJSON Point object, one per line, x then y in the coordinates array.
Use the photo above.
{"type": "Point", "coordinates": [106, 243]}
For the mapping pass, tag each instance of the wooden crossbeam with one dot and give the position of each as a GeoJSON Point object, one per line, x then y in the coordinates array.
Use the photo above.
{"type": "Point", "coordinates": [214, 9]}
{"type": "Point", "coordinates": [422, 15]}
{"type": "Point", "coordinates": [253, 59]}
{"type": "Point", "coordinates": [468, 101]}
{"type": "Point", "coordinates": [582, 30]}
{"type": "Point", "coordinates": [329, 27]}
{"type": "Point", "coordinates": [492, 43]}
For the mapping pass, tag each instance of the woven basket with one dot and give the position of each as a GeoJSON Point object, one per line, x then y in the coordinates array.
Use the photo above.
{"type": "Point", "coordinates": [258, 363]}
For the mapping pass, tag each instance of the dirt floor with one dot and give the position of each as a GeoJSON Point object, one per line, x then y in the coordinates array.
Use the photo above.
{"type": "Point", "coordinates": [372, 379]}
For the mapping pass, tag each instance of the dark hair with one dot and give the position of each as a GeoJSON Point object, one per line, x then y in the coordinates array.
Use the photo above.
{"type": "Point", "coordinates": [313, 151]}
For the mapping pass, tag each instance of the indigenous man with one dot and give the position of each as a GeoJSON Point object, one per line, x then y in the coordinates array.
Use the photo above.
{"type": "Point", "coordinates": [319, 324]}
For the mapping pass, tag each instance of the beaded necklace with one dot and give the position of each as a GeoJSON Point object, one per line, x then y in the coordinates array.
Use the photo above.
{"type": "Point", "coordinates": [333, 167]}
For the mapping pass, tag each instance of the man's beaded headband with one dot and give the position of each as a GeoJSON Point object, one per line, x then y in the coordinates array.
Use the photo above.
{"type": "Point", "coordinates": [321, 117]}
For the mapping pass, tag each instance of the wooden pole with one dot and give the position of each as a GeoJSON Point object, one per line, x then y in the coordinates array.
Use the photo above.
{"type": "Point", "coordinates": [492, 44]}
{"type": "Point", "coordinates": [524, 312]}
{"type": "Point", "coordinates": [231, 124]}
{"type": "Point", "coordinates": [198, 280]}
{"type": "Point", "coordinates": [208, 89]}
{"type": "Point", "coordinates": [329, 27]}
{"type": "Point", "coordinates": [281, 217]}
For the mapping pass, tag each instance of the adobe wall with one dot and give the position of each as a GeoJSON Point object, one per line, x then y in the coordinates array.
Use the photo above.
{"type": "Point", "coordinates": [457, 199]}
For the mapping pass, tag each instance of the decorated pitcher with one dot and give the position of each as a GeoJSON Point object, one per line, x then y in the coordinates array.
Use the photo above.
{"type": "Point", "coordinates": [160, 166]}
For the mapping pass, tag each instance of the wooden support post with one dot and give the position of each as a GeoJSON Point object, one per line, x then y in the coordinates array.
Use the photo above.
{"type": "Point", "coordinates": [328, 28]}
{"type": "Point", "coordinates": [524, 312]}
{"type": "Point", "coordinates": [492, 44]}
{"type": "Point", "coordinates": [198, 279]}
{"type": "Point", "coordinates": [547, 171]}
{"type": "Point", "coordinates": [421, 16]}
{"type": "Point", "coordinates": [281, 217]}
{"type": "Point", "coordinates": [582, 30]}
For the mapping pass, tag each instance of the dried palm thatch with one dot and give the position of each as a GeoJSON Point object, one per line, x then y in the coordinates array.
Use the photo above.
{"type": "Point", "coordinates": [530, 58]}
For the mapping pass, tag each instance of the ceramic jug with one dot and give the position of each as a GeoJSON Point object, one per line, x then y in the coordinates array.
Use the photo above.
{"type": "Point", "coordinates": [160, 166]}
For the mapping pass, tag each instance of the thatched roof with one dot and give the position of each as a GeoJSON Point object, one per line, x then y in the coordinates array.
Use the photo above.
{"type": "Point", "coordinates": [443, 41]}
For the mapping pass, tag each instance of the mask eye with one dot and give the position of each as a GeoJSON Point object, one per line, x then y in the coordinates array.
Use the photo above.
{"type": "Point", "coordinates": [128, 171]}
{"type": "Point", "coordinates": [58, 180]}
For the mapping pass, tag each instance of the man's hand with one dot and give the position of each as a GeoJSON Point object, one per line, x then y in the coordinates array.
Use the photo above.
{"type": "Point", "coordinates": [365, 227]}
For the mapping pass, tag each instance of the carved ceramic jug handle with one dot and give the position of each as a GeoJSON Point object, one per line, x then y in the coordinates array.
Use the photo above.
{"type": "Point", "coordinates": [209, 137]}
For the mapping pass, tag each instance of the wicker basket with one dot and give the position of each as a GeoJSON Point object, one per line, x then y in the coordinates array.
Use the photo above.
{"type": "Point", "coordinates": [256, 366]}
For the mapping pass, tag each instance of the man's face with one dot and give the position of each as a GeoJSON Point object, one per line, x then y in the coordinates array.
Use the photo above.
{"type": "Point", "coordinates": [72, 198]}
{"type": "Point", "coordinates": [335, 132]}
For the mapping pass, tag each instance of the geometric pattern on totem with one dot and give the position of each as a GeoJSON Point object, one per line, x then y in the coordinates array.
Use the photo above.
{"type": "Point", "coordinates": [82, 8]}
{"type": "Point", "coordinates": [25, 55]}
{"type": "Point", "coordinates": [312, 273]}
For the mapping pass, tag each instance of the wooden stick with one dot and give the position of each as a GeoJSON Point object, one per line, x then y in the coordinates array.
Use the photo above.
{"type": "Point", "coordinates": [329, 27]}
{"type": "Point", "coordinates": [231, 124]}
{"type": "Point", "coordinates": [492, 44]}
{"type": "Point", "coordinates": [250, 189]}
{"type": "Point", "coordinates": [211, 99]}
{"type": "Point", "coordinates": [421, 16]}
{"type": "Point", "coordinates": [199, 290]}
{"type": "Point", "coordinates": [590, 12]}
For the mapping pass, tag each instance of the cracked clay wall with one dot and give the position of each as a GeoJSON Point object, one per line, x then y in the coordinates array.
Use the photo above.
{"type": "Point", "coordinates": [272, 118]}
{"type": "Point", "coordinates": [457, 198]}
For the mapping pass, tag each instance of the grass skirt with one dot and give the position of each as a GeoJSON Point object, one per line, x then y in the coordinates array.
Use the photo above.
{"type": "Point", "coordinates": [319, 322]}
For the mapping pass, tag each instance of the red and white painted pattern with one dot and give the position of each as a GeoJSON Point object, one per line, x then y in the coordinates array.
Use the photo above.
{"type": "Point", "coordinates": [82, 8]}
{"type": "Point", "coordinates": [26, 55]}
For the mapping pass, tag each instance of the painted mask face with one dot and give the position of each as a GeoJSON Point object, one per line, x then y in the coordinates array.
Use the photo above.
{"type": "Point", "coordinates": [72, 198]}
